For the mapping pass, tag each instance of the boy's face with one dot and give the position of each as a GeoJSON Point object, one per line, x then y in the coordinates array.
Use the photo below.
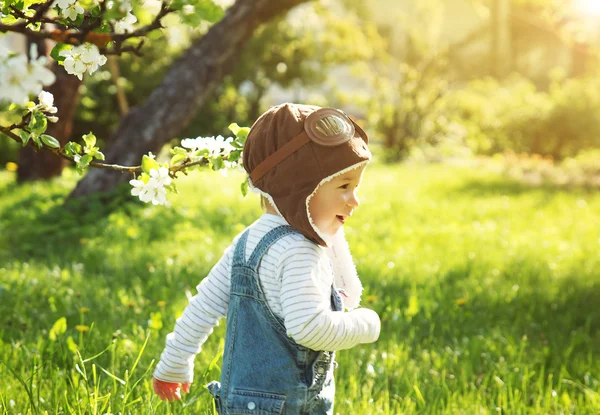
{"type": "Point", "coordinates": [335, 200]}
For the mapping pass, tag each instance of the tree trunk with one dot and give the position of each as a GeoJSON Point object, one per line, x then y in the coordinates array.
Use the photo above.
{"type": "Point", "coordinates": [501, 38]}
{"type": "Point", "coordinates": [35, 165]}
{"type": "Point", "coordinates": [183, 91]}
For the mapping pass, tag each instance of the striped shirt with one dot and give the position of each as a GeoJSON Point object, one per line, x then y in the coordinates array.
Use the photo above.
{"type": "Point", "coordinates": [296, 276]}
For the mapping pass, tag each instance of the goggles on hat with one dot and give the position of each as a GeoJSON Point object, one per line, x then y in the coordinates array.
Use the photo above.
{"type": "Point", "coordinates": [328, 127]}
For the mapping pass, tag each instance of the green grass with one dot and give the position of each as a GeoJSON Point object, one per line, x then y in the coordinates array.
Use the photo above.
{"type": "Point", "coordinates": [488, 290]}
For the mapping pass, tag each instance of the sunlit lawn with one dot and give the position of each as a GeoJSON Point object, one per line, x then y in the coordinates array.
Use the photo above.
{"type": "Point", "coordinates": [489, 293]}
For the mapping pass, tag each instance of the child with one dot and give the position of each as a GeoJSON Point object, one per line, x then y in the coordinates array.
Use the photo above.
{"type": "Point", "coordinates": [284, 281]}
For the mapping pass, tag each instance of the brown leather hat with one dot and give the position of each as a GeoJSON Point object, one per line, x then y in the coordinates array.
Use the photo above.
{"type": "Point", "coordinates": [292, 148]}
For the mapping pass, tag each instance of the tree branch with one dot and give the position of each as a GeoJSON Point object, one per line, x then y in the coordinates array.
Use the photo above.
{"type": "Point", "coordinates": [97, 164]}
{"type": "Point", "coordinates": [84, 32]}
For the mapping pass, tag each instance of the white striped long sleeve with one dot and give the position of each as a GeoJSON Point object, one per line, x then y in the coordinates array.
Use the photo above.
{"type": "Point", "coordinates": [196, 324]}
{"type": "Point", "coordinates": [306, 279]}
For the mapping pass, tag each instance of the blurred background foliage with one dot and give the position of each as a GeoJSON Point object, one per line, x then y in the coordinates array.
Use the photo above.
{"type": "Point", "coordinates": [430, 80]}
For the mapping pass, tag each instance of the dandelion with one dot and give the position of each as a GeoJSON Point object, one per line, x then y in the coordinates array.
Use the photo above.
{"type": "Point", "coordinates": [82, 328]}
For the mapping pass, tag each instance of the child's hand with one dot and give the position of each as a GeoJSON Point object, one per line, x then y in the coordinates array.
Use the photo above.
{"type": "Point", "coordinates": [169, 390]}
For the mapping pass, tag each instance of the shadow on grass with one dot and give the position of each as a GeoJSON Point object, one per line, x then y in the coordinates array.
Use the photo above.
{"type": "Point", "coordinates": [556, 330]}
{"type": "Point", "coordinates": [46, 228]}
{"type": "Point", "coordinates": [503, 186]}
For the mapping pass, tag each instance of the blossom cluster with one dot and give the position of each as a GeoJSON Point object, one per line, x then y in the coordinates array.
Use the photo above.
{"type": "Point", "coordinates": [19, 78]}
{"type": "Point", "coordinates": [126, 23]}
{"type": "Point", "coordinates": [79, 59]}
{"type": "Point", "coordinates": [69, 9]}
{"type": "Point", "coordinates": [153, 183]}
{"type": "Point", "coordinates": [151, 188]}
{"type": "Point", "coordinates": [216, 146]}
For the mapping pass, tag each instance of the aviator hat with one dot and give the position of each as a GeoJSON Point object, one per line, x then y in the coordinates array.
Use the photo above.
{"type": "Point", "coordinates": [292, 148]}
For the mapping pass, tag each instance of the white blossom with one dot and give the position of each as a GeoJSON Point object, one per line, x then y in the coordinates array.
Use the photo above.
{"type": "Point", "coordinates": [47, 102]}
{"type": "Point", "coordinates": [215, 145]}
{"type": "Point", "coordinates": [63, 4]}
{"type": "Point", "coordinates": [82, 58]}
{"type": "Point", "coordinates": [125, 24]}
{"type": "Point", "coordinates": [154, 190]}
{"type": "Point", "coordinates": [19, 78]}
{"type": "Point", "coordinates": [224, 144]}
{"type": "Point", "coordinates": [72, 11]}
{"type": "Point", "coordinates": [161, 176]}
{"type": "Point", "coordinates": [69, 8]}
{"type": "Point", "coordinates": [140, 190]}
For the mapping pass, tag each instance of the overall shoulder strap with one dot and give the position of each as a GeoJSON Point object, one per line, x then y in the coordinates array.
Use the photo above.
{"type": "Point", "coordinates": [239, 255]}
{"type": "Point", "coordinates": [266, 242]}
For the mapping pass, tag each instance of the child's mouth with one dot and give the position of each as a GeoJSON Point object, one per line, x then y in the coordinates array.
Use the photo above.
{"type": "Point", "coordinates": [341, 219]}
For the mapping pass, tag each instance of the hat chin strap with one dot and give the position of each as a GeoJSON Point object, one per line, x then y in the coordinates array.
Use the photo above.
{"type": "Point", "coordinates": [344, 270]}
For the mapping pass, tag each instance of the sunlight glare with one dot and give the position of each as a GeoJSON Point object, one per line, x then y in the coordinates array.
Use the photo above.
{"type": "Point", "coordinates": [589, 7]}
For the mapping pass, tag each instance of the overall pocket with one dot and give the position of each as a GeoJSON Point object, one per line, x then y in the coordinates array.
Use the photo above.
{"type": "Point", "coordinates": [244, 402]}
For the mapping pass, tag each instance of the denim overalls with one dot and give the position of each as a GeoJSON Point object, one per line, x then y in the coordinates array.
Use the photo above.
{"type": "Point", "coordinates": [264, 371]}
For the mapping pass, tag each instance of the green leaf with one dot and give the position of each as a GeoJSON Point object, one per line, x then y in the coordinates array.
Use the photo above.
{"type": "Point", "coordinates": [24, 137]}
{"type": "Point", "coordinates": [192, 19]}
{"type": "Point", "coordinates": [202, 152]}
{"type": "Point", "coordinates": [179, 150]}
{"type": "Point", "coordinates": [209, 11]}
{"type": "Point", "coordinates": [83, 163]}
{"type": "Point", "coordinates": [234, 156]}
{"type": "Point", "coordinates": [234, 128]}
{"type": "Point", "coordinates": [72, 148]}
{"type": "Point", "coordinates": [94, 152]}
{"type": "Point", "coordinates": [59, 327]}
{"type": "Point", "coordinates": [244, 188]}
{"type": "Point", "coordinates": [32, 2]}
{"type": "Point", "coordinates": [19, 5]}
{"type": "Point", "coordinates": [217, 163]}
{"type": "Point", "coordinates": [10, 20]}
{"type": "Point", "coordinates": [121, 381]}
{"type": "Point", "coordinates": [95, 11]}
{"type": "Point", "coordinates": [59, 47]}
{"type": "Point", "coordinates": [50, 141]}
{"type": "Point", "coordinates": [36, 139]}
{"type": "Point", "coordinates": [178, 4]}
{"type": "Point", "coordinates": [240, 132]}
{"type": "Point", "coordinates": [177, 158]}
{"type": "Point", "coordinates": [38, 123]}
{"type": "Point", "coordinates": [149, 164]}
{"type": "Point", "coordinates": [90, 140]}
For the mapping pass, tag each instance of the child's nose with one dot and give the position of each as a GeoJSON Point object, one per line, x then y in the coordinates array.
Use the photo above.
{"type": "Point", "coordinates": [353, 200]}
